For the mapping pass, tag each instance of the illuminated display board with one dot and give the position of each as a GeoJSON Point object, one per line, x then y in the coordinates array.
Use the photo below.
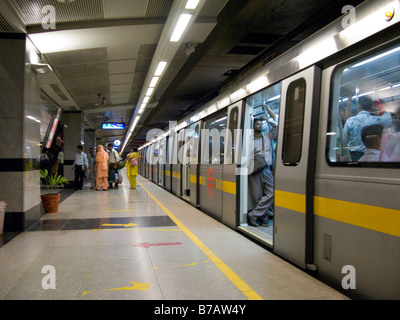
{"type": "Point", "coordinates": [113, 126]}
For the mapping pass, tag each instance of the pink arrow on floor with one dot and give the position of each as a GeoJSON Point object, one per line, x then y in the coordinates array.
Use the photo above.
{"type": "Point", "coordinates": [148, 245]}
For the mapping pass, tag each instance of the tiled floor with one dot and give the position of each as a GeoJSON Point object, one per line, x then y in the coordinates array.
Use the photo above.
{"type": "Point", "coordinates": [143, 244]}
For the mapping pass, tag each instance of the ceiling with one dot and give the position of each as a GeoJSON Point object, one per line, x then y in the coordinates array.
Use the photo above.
{"type": "Point", "coordinates": [104, 52]}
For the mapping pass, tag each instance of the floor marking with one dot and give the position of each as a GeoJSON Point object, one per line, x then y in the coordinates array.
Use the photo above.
{"type": "Point", "coordinates": [182, 266]}
{"type": "Point", "coordinates": [148, 245]}
{"type": "Point", "coordinates": [135, 286]}
{"type": "Point", "coordinates": [119, 225]}
{"type": "Point", "coordinates": [137, 229]}
{"type": "Point", "coordinates": [228, 272]}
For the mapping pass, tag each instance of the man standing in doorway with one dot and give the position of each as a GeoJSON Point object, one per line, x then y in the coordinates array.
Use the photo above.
{"type": "Point", "coordinates": [261, 182]}
{"type": "Point", "coordinates": [80, 165]}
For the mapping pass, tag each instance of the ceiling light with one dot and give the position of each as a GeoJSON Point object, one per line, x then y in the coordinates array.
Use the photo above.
{"type": "Point", "coordinates": [149, 91]}
{"type": "Point", "coordinates": [160, 68]}
{"type": "Point", "coordinates": [192, 4]}
{"type": "Point", "coordinates": [146, 99]}
{"type": "Point", "coordinates": [180, 27]}
{"type": "Point", "coordinates": [153, 82]}
{"type": "Point", "coordinates": [41, 68]}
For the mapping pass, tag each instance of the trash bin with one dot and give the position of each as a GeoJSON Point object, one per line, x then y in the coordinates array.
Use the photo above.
{"type": "Point", "coordinates": [3, 206]}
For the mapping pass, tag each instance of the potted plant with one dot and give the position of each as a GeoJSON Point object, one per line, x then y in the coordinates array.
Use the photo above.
{"type": "Point", "coordinates": [51, 200]}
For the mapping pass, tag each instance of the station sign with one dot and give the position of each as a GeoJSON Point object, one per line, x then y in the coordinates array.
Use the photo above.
{"type": "Point", "coordinates": [113, 126]}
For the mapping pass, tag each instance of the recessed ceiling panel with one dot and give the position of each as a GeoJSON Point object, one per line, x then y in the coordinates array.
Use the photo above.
{"type": "Point", "coordinates": [120, 87]}
{"type": "Point", "coordinates": [87, 10]}
{"type": "Point", "coordinates": [122, 9]}
{"type": "Point", "coordinates": [122, 66]}
{"type": "Point", "coordinates": [121, 78]}
{"type": "Point", "coordinates": [123, 52]}
{"type": "Point", "coordinates": [89, 55]}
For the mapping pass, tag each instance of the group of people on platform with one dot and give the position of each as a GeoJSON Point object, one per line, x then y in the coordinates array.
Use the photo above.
{"type": "Point", "coordinates": [102, 168]}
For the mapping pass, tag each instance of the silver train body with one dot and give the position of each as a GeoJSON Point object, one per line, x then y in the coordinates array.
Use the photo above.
{"type": "Point", "coordinates": [335, 218]}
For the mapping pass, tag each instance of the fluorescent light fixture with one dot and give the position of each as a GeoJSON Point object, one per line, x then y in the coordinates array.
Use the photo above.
{"type": "Point", "coordinates": [153, 82]}
{"type": "Point", "coordinates": [33, 118]}
{"type": "Point", "coordinates": [366, 93]}
{"type": "Point", "coordinates": [376, 57]}
{"type": "Point", "coordinates": [149, 92]}
{"type": "Point", "coordinates": [180, 27]}
{"type": "Point", "coordinates": [41, 68]}
{"type": "Point", "coordinates": [160, 68]}
{"type": "Point", "coordinates": [192, 4]}
{"type": "Point", "coordinates": [146, 99]}
{"type": "Point", "coordinates": [274, 98]}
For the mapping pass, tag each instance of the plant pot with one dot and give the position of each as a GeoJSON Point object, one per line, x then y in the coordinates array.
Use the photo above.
{"type": "Point", "coordinates": [50, 202]}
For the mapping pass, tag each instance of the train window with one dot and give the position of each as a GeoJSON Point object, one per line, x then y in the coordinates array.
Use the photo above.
{"type": "Point", "coordinates": [232, 126]}
{"type": "Point", "coordinates": [214, 132]}
{"type": "Point", "coordinates": [364, 125]}
{"type": "Point", "coordinates": [294, 120]}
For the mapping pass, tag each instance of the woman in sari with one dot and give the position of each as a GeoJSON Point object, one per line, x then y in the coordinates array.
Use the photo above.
{"type": "Point", "coordinates": [132, 170]}
{"type": "Point", "coordinates": [101, 168]}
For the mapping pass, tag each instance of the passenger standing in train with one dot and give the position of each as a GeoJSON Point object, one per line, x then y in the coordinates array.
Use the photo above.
{"type": "Point", "coordinates": [101, 167]}
{"type": "Point", "coordinates": [132, 170]}
{"type": "Point", "coordinates": [354, 125]}
{"type": "Point", "coordinates": [390, 146]}
{"type": "Point", "coordinates": [395, 121]}
{"type": "Point", "coordinates": [262, 183]}
{"type": "Point", "coordinates": [113, 160]}
{"type": "Point", "coordinates": [80, 164]}
{"type": "Point", "coordinates": [371, 137]}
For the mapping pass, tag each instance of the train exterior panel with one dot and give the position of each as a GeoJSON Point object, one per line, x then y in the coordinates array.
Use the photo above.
{"type": "Point", "coordinates": [335, 214]}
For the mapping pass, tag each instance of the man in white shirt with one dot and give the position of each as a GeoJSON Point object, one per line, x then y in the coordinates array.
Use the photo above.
{"type": "Point", "coordinates": [113, 166]}
{"type": "Point", "coordinates": [80, 165]}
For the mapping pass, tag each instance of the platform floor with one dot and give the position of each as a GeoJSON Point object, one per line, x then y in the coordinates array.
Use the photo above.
{"type": "Point", "coordinates": [144, 244]}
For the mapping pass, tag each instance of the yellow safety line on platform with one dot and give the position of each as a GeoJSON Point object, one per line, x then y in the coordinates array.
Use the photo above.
{"type": "Point", "coordinates": [228, 272]}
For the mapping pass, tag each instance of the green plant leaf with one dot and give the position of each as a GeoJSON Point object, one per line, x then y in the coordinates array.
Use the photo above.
{"type": "Point", "coordinates": [53, 180]}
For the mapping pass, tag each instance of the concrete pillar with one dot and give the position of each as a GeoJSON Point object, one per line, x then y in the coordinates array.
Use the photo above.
{"type": "Point", "coordinates": [90, 140]}
{"type": "Point", "coordinates": [73, 136]}
{"type": "Point", "coordinates": [20, 131]}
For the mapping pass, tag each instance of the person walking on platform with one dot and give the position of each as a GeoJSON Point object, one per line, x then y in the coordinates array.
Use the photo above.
{"type": "Point", "coordinates": [101, 168]}
{"type": "Point", "coordinates": [131, 168]}
{"type": "Point", "coordinates": [80, 164]}
{"type": "Point", "coordinates": [113, 167]}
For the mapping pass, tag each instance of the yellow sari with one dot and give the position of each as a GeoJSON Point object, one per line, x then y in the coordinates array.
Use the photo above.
{"type": "Point", "coordinates": [132, 171]}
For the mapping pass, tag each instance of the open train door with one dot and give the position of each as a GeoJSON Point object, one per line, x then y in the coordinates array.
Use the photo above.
{"type": "Point", "coordinates": [295, 167]}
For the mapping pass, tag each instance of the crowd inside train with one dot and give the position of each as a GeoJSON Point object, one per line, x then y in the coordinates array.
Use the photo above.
{"type": "Point", "coordinates": [372, 135]}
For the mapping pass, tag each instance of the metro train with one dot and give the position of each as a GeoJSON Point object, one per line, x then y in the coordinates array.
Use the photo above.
{"type": "Point", "coordinates": [334, 217]}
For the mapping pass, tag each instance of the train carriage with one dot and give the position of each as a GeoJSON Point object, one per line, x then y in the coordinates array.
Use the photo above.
{"type": "Point", "coordinates": [333, 214]}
